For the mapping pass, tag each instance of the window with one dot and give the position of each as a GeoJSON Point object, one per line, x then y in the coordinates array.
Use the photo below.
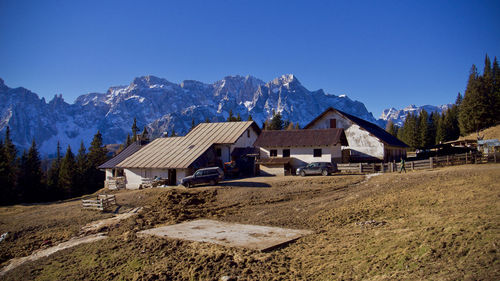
{"type": "Point", "coordinates": [273, 152]}
{"type": "Point", "coordinates": [317, 152]}
{"type": "Point", "coordinates": [333, 123]}
{"type": "Point", "coordinates": [218, 151]}
{"type": "Point", "coordinates": [286, 152]}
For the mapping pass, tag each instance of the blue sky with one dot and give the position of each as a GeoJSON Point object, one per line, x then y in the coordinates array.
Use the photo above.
{"type": "Point", "coordinates": [382, 53]}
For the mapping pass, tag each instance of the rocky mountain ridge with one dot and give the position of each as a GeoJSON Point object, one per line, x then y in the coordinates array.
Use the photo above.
{"type": "Point", "coordinates": [161, 106]}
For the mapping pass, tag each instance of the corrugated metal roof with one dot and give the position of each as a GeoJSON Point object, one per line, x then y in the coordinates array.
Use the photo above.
{"type": "Point", "coordinates": [127, 152]}
{"type": "Point", "coordinates": [294, 138]}
{"type": "Point", "coordinates": [180, 152]}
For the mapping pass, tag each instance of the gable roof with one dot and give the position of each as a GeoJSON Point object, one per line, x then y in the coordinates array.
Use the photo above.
{"type": "Point", "coordinates": [294, 138]}
{"type": "Point", "coordinates": [127, 152]}
{"type": "Point", "coordinates": [181, 152]}
{"type": "Point", "coordinates": [371, 128]}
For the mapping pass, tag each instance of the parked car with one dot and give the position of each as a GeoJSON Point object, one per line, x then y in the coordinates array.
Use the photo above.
{"type": "Point", "coordinates": [317, 168]}
{"type": "Point", "coordinates": [210, 175]}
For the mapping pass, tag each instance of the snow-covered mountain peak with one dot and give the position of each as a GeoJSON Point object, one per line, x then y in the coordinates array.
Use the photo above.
{"type": "Point", "coordinates": [398, 116]}
{"type": "Point", "coordinates": [150, 81]}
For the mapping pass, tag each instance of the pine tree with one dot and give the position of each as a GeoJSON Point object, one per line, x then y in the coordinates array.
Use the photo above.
{"type": "Point", "coordinates": [192, 124]}
{"type": "Point", "coordinates": [276, 122]}
{"type": "Point", "coordinates": [487, 72]}
{"type": "Point", "coordinates": [425, 135]}
{"type": "Point", "coordinates": [6, 188]}
{"type": "Point", "coordinates": [459, 99]}
{"type": "Point", "coordinates": [297, 126]}
{"type": "Point", "coordinates": [290, 126]}
{"type": "Point", "coordinates": [53, 175]}
{"type": "Point", "coordinates": [97, 156]}
{"type": "Point", "coordinates": [11, 160]}
{"type": "Point", "coordinates": [410, 134]}
{"type": "Point", "coordinates": [135, 129]}
{"type": "Point", "coordinates": [21, 181]}
{"type": "Point", "coordinates": [238, 117]}
{"type": "Point", "coordinates": [250, 118]}
{"type": "Point", "coordinates": [207, 120]}
{"type": "Point", "coordinates": [433, 123]}
{"type": "Point", "coordinates": [440, 128]}
{"type": "Point", "coordinates": [496, 89]}
{"type": "Point", "coordinates": [173, 134]}
{"type": "Point", "coordinates": [32, 176]}
{"type": "Point", "coordinates": [145, 134]}
{"type": "Point", "coordinates": [231, 117]}
{"type": "Point", "coordinates": [68, 175]}
{"type": "Point", "coordinates": [82, 171]}
{"type": "Point", "coordinates": [391, 128]}
{"type": "Point", "coordinates": [128, 141]}
{"type": "Point", "coordinates": [468, 119]}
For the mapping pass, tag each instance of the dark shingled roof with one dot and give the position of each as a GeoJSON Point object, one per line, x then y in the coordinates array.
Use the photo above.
{"type": "Point", "coordinates": [295, 138]}
{"type": "Point", "coordinates": [131, 149]}
{"type": "Point", "coordinates": [373, 129]}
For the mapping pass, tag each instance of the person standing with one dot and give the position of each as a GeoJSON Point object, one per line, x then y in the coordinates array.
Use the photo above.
{"type": "Point", "coordinates": [402, 165]}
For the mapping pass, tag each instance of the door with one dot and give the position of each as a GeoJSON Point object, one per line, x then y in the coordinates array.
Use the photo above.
{"type": "Point", "coordinates": [172, 177]}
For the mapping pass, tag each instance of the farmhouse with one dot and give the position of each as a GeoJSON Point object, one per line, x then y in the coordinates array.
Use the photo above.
{"type": "Point", "coordinates": [208, 144]}
{"type": "Point", "coordinates": [284, 151]}
{"type": "Point", "coordinates": [367, 141]}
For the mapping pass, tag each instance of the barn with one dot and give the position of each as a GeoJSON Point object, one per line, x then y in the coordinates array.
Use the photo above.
{"type": "Point", "coordinates": [367, 141]}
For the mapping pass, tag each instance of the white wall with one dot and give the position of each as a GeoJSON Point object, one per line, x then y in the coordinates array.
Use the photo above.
{"type": "Point", "coordinates": [305, 155]}
{"type": "Point", "coordinates": [109, 173]}
{"type": "Point", "coordinates": [244, 140]}
{"type": "Point", "coordinates": [134, 176]}
{"type": "Point", "coordinates": [360, 141]}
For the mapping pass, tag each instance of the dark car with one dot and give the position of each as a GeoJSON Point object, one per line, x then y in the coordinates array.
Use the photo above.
{"type": "Point", "coordinates": [210, 175]}
{"type": "Point", "coordinates": [317, 168]}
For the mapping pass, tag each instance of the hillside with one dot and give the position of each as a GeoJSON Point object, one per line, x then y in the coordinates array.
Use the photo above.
{"type": "Point", "coordinates": [488, 133]}
{"type": "Point", "coordinates": [427, 225]}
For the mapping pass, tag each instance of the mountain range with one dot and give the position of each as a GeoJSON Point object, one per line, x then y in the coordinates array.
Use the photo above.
{"type": "Point", "coordinates": [398, 116]}
{"type": "Point", "coordinates": [161, 106]}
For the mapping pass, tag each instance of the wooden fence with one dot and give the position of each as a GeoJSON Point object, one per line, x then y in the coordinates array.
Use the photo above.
{"type": "Point", "coordinates": [431, 163]}
{"type": "Point", "coordinates": [103, 202]}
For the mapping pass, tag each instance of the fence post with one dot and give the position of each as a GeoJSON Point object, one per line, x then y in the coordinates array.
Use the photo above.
{"type": "Point", "coordinates": [431, 163]}
{"type": "Point", "coordinates": [412, 165]}
{"type": "Point", "coordinates": [361, 168]}
{"type": "Point", "coordinates": [373, 167]}
{"type": "Point", "coordinates": [465, 157]}
{"type": "Point", "coordinates": [495, 156]}
{"type": "Point", "coordinates": [447, 160]}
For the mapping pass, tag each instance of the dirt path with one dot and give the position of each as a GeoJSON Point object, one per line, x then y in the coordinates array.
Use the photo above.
{"type": "Point", "coordinates": [89, 233]}
{"type": "Point", "coordinates": [49, 251]}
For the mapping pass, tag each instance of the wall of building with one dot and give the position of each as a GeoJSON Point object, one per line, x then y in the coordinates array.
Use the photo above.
{"type": "Point", "coordinates": [277, 170]}
{"type": "Point", "coordinates": [304, 155]}
{"type": "Point", "coordinates": [134, 176]}
{"type": "Point", "coordinates": [247, 139]}
{"type": "Point", "coordinates": [361, 143]}
{"type": "Point", "coordinates": [108, 173]}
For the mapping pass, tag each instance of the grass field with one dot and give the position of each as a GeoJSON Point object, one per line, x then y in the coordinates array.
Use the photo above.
{"type": "Point", "coordinates": [440, 224]}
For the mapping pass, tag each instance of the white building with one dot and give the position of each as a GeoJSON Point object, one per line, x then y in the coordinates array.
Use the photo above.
{"type": "Point", "coordinates": [285, 151]}
{"type": "Point", "coordinates": [367, 141]}
{"type": "Point", "coordinates": [173, 158]}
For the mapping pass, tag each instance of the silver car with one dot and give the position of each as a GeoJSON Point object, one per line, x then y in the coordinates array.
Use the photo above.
{"type": "Point", "coordinates": [317, 168]}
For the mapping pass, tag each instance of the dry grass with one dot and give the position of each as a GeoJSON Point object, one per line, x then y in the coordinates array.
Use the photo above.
{"type": "Point", "coordinates": [489, 133]}
{"type": "Point", "coordinates": [437, 225]}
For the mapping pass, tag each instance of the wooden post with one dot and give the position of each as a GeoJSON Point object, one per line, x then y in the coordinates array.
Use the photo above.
{"type": "Point", "coordinates": [447, 160]}
{"type": "Point", "coordinates": [431, 163]}
{"type": "Point", "coordinates": [495, 156]}
{"type": "Point", "coordinates": [465, 157]}
{"type": "Point", "coordinates": [361, 168]}
{"type": "Point", "coordinates": [412, 165]}
{"type": "Point", "coordinates": [373, 167]}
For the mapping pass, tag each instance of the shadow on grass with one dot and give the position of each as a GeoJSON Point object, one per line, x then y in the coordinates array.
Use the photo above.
{"type": "Point", "coordinates": [245, 184]}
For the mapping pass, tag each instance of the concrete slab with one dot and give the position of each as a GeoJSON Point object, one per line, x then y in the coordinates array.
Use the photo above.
{"type": "Point", "coordinates": [248, 236]}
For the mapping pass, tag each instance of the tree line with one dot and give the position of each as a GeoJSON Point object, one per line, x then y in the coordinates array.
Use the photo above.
{"type": "Point", "coordinates": [476, 110]}
{"type": "Point", "coordinates": [23, 180]}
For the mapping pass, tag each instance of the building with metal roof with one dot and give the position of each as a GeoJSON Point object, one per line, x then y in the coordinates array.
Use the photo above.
{"type": "Point", "coordinates": [172, 158]}
{"type": "Point", "coordinates": [367, 141]}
